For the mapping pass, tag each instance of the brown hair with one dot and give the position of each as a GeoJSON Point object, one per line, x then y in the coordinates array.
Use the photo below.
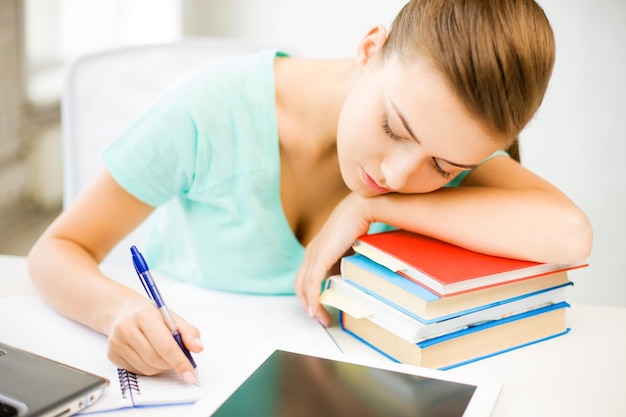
{"type": "Point", "coordinates": [497, 55]}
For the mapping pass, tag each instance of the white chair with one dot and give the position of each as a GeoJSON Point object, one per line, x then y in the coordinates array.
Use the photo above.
{"type": "Point", "coordinates": [105, 91]}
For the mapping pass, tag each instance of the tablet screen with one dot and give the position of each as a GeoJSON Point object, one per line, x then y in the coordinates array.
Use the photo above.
{"type": "Point", "coordinates": [293, 384]}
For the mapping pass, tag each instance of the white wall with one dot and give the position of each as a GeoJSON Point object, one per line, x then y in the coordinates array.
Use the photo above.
{"type": "Point", "coordinates": [313, 28]}
{"type": "Point", "coordinates": [576, 140]}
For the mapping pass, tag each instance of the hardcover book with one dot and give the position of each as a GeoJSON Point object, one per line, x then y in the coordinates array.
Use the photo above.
{"type": "Point", "coordinates": [428, 307]}
{"type": "Point", "coordinates": [464, 346]}
{"type": "Point", "coordinates": [344, 296]}
{"type": "Point", "coordinates": [444, 268]}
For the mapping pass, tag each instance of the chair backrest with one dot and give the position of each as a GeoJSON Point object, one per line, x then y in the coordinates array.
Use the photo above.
{"type": "Point", "coordinates": [104, 92]}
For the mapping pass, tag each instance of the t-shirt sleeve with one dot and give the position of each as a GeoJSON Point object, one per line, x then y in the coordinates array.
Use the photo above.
{"type": "Point", "coordinates": [154, 158]}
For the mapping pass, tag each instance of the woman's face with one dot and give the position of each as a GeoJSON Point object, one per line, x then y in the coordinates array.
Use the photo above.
{"type": "Point", "coordinates": [401, 129]}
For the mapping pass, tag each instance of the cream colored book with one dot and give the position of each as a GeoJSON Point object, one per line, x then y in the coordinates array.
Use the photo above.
{"type": "Point", "coordinates": [464, 346]}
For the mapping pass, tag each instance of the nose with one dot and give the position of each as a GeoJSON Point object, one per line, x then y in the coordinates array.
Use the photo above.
{"type": "Point", "coordinates": [399, 167]}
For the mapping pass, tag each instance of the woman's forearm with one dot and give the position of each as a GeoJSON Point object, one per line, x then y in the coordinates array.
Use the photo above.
{"type": "Point", "coordinates": [519, 223]}
{"type": "Point", "coordinates": [69, 280]}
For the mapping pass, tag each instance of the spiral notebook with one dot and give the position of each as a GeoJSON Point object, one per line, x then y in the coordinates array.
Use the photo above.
{"type": "Point", "coordinates": [129, 391]}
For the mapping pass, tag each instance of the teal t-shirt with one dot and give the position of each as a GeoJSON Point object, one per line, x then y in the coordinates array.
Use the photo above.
{"type": "Point", "coordinates": [206, 153]}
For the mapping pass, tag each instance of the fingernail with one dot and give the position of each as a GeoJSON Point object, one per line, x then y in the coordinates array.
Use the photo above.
{"type": "Point", "coordinates": [311, 311]}
{"type": "Point", "coordinates": [199, 342]}
{"type": "Point", "coordinates": [189, 378]}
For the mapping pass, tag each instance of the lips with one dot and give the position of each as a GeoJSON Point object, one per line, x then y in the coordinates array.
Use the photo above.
{"type": "Point", "coordinates": [371, 183]}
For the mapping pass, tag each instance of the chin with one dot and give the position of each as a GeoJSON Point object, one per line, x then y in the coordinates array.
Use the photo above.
{"type": "Point", "coordinates": [368, 193]}
{"type": "Point", "coordinates": [365, 191]}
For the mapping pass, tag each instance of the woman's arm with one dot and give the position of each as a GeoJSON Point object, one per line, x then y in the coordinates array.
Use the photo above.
{"type": "Point", "coordinates": [63, 265]}
{"type": "Point", "coordinates": [501, 209]}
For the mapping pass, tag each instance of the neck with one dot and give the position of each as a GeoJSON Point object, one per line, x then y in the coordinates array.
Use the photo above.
{"type": "Point", "coordinates": [309, 95]}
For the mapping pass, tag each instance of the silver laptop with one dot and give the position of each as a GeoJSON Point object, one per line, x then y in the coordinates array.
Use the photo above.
{"type": "Point", "coordinates": [31, 385]}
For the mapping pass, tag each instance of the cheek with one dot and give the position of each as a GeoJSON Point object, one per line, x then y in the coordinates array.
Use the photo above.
{"type": "Point", "coordinates": [346, 145]}
{"type": "Point", "coordinates": [349, 117]}
{"type": "Point", "coordinates": [356, 148]}
{"type": "Point", "coordinates": [349, 129]}
{"type": "Point", "coordinates": [361, 113]}
{"type": "Point", "coordinates": [358, 129]}
{"type": "Point", "coordinates": [425, 184]}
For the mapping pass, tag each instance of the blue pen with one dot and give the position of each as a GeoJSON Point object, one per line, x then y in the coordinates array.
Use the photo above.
{"type": "Point", "coordinates": [153, 292]}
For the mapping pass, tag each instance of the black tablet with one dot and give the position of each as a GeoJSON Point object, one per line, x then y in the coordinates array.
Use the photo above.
{"type": "Point", "coordinates": [276, 382]}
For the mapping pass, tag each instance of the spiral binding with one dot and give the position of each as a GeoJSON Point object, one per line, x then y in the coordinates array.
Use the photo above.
{"type": "Point", "coordinates": [128, 383]}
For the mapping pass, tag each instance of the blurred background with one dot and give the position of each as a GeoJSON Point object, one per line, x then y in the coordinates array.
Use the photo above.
{"type": "Point", "coordinates": [576, 141]}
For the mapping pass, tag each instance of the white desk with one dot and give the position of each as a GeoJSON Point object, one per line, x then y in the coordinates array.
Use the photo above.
{"type": "Point", "coordinates": [577, 374]}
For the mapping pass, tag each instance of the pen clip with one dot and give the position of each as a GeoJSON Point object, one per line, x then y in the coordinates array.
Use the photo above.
{"type": "Point", "coordinates": [142, 280]}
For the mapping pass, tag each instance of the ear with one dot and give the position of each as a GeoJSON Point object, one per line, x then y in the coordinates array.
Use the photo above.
{"type": "Point", "coordinates": [370, 45]}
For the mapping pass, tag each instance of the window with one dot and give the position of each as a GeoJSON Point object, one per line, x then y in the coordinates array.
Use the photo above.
{"type": "Point", "coordinates": [57, 31]}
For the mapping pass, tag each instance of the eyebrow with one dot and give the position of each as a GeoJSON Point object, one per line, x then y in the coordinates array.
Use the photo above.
{"type": "Point", "coordinates": [408, 129]}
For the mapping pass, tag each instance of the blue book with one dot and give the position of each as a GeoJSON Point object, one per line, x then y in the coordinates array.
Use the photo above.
{"type": "Point", "coordinates": [426, 306]}
{"type": "Point", "coordinates": [464, 346]}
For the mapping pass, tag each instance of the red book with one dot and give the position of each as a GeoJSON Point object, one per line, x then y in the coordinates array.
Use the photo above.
{"type": "Point", "coordinates": [444, 268]}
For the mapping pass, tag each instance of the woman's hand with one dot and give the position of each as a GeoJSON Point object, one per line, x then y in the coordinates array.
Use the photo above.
{"type": "Point", "coordinates": [347, 222]}
{"type": "Point", "coordinates": [140, 342]}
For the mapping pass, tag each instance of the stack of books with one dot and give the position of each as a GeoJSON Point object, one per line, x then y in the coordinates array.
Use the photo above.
{"type": "Point", "coordinates": [429, 303]}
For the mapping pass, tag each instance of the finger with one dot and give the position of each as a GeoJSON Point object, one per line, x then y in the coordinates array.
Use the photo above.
{"type": "Point", "coordinates": [299, 287]}
{"type": "Point", "coordinates": [129, 348]}
{"type": "Point", "coordinates": [313, 288]}
{"type": "Point", "coordinates": [322, 315]}
{"type": "Point", "coordinates": [308, 283]}
{"type": "Point", "coordinates": [313, 307]}
{"type": "Point", "coordinates": [132, 361]}
{"type": "Point", "coordinates": [302, 278]}
{"type": "Point", "coordinates": [169, 351]}
{"type": "Point", "coordinates": [190, 335]}
{"type": "Point", "coordinates": [143, 343]}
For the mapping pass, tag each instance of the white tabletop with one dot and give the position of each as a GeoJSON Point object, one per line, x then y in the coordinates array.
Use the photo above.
{"type": "Point", "coordinates": [576, 374]}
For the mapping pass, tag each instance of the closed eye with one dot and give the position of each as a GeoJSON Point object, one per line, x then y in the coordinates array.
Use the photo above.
{"type": "Point", "coordinates": [445, 174]}
{"type": "Point", "coordinates": [384, 124]}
